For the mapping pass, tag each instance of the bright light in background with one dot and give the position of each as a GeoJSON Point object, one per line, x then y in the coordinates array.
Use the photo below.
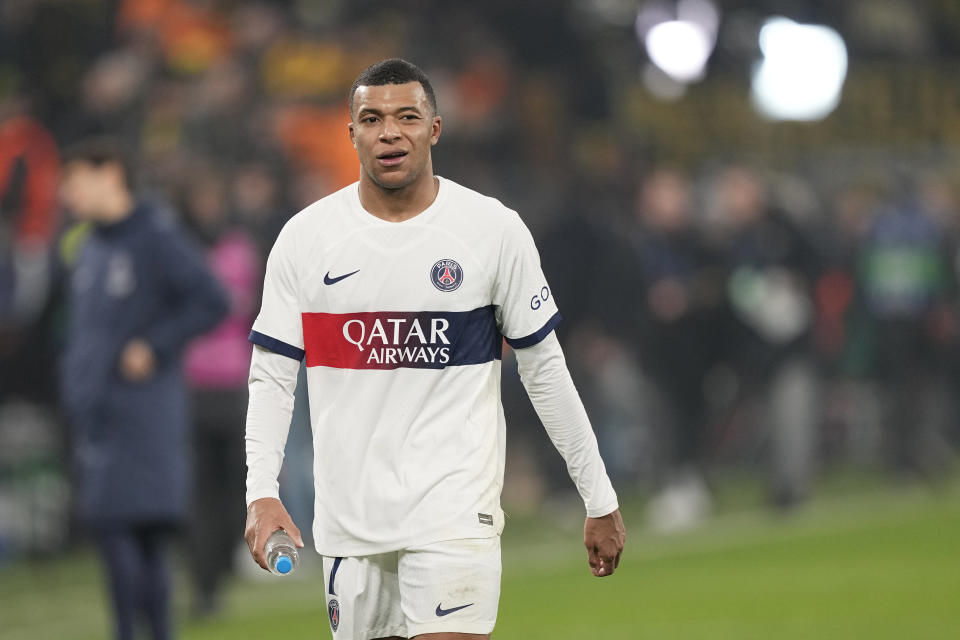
{"type": "Point", "coordinates": [679, 39]}
{"type": "Point", "coordinates": [802, 73]}
{"type": "Point", "coordinates": [680, 49]}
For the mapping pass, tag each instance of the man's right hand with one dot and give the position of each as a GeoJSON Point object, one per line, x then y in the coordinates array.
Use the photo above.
{"type": "Point", "coordinates": [138, 362]}
{"type": "Point", "coordinates": [264, 516]}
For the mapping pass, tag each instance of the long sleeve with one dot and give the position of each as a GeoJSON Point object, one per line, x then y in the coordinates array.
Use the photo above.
{"type": "Point", "coordinates": [273, 378]}
{"type": "Point", "coordinates": [544, 373]}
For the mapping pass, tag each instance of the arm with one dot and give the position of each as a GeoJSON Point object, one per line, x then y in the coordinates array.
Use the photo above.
{"type": "Point", "coordinates": [278, 338]}
{"type": "Point", "coordinates": [273, 378]}
{"type": "Point", "coordinates": [198, 302]}
{"type": "Point", "coordinates": [527, 314]}
{"type": "Point", "coordinates": [545, 376]}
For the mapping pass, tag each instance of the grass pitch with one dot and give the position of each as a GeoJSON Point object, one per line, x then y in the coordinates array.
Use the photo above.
{"type": "Point", "coordinates": [873, 563]}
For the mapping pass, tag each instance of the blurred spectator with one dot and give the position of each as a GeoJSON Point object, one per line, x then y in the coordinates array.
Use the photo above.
{"type": "Point", "coordinates": [190, 36]}
{"type": "Point", "coordinates": [909, 293]}
{"type": "Point", "coordinates": [29, 171]}
{"type": "Point", "coordinates": [256, 198]}
{"type": "Point", "coordinates": [318, 139]}
{"type": "Point", "coordinates": [216, 366]}
{"type": "Point", "coordinates": [139, 292]}
{"type": "Point", "coordinates": [842, 338]}
{"type": "Point", "coordinates": [771, 268]}
{"type": "Point", "coordinates": [33, 501]}
{"type": "Point", "coordinates": [678, 292]}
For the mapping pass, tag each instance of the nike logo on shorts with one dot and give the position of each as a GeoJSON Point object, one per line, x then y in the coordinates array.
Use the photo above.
{"type": "Point", "coordinates": [444, 612]}
{"type": "Point", "coordinates": [328, 280]}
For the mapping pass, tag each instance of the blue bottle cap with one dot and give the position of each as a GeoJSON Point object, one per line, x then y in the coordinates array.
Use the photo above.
{"type": "Point", "coordinates": [284, 564]}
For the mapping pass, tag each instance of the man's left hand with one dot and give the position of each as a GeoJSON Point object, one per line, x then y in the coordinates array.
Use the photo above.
{"type": "Point", "coordinates": [604, 539]}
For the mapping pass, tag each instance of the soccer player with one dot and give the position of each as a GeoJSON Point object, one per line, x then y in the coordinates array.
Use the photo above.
{"type": "Point", "coordinates": [398, 291]}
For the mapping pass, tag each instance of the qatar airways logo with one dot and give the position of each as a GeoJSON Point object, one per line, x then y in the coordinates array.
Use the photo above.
{"type": "Point", "coordinates": [400, 340]}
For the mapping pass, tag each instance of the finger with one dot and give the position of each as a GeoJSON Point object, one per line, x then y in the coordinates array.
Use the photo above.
{"type": "Point", "coordinates": [294, 532]}
{"type": "Point", "coordinates": [593, 560]}
{"type": "Point", "coordinates": [608, 565]}
{"type": "Point", "coordinates": [609, 550]}
{"type": "Point", "coordinates": [260, 549]}
{"type": "Point", "coordinates": [258, 555]}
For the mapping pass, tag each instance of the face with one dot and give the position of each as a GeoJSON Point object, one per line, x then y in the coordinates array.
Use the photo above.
{"type": "Point", "coordinates": [666, 201]}
{"type": "Point", "coordinates": [393, 130]}
{"type": "Point", "coordinates": [742, 195]}
{"type": "Point", "coordinates": [81, 189]}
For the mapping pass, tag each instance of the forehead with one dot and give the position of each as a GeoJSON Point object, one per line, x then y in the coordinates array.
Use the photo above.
{"type": "Point", "coordinates": [76, 167]}
{"type": "Point", "coordinates": [390, 97]}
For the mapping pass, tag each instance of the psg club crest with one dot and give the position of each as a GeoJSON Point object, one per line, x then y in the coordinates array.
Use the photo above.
{"type": "Point", "coordinates": [333, 609]}
{"type": "Point", "coordinates": [446, 275]}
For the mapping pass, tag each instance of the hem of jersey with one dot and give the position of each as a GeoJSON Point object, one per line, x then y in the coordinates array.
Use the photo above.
{"type": "Point", "coordinates": [277, 346]}
{"type": "Point", "coordinates": [383, 632]}
{"type": "Point", "coordinates": [537, 336]}
{"type": "Point", "coordinates": [451, 626]}
{"type": "Point", "coordinates": [350, 552]}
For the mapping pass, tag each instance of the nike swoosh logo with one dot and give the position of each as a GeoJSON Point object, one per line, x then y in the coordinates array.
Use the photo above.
{"type": "Point", "coordinates": [328, 280]}
{"type": "Point", "coordinates": [443, 612]}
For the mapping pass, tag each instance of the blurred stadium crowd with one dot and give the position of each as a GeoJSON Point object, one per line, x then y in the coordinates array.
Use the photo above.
{"type": "Point", "coordinates": [777, 296]}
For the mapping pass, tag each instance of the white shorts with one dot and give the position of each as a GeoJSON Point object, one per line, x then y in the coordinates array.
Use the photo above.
{"type": "Point", "coordinates": [451, 586]}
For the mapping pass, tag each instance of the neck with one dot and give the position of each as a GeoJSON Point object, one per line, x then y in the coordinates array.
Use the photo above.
{"type": "Point", "coordinates": [116, 207]}
{"type": "Point", "coordinates": [397, 205]}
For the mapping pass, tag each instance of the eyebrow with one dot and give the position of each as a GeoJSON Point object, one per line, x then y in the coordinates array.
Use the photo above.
{"type": "Point", "coordinates": [377, 112]}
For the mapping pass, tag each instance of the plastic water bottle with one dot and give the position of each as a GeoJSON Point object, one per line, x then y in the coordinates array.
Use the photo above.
{"type": "Point", "coordinates": [281, 553]}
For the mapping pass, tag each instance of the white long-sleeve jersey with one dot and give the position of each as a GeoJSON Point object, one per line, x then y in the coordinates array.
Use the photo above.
{"type": "Point", "coordinates": [401, 327]}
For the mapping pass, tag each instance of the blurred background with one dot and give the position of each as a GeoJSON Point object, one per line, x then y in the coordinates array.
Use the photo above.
{"type": "Point", "coordinates": [748, 212]}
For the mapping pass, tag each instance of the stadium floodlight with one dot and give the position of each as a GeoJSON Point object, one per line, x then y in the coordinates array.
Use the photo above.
{"type": "Point", "coordinates": [680, 49]}
{"type": "Point", "coordinates": [679, 37]}
{"type": "Point", "coordinates": [802, 73]}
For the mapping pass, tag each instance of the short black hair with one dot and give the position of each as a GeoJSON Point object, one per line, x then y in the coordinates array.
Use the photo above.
{"type": "Point", "coordinates": [393, 71]}
{"type": "Point", "coordinates": [98, 152]}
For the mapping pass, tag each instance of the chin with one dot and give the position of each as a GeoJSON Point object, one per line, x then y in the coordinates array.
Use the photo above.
{"type": "Point", "coordinates": [393, 181]}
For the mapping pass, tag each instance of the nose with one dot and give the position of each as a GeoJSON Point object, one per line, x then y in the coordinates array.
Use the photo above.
{"type": "Point", "coordinates": [390, 131]}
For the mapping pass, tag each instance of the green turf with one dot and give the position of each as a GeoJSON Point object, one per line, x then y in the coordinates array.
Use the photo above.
{"type": "Point", "coordinates": [871, 564]}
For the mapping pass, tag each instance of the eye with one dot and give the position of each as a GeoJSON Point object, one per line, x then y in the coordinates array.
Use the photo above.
{"type": "Point", "coordinates": [369, 119]}
{"type": "Point", "coordinates": [409, 116]}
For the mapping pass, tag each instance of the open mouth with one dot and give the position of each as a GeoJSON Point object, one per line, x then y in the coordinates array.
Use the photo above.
{"type": "Point", "coordinates": [391, 158]}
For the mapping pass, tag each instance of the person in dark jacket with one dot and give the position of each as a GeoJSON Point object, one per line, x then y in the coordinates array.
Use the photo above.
{"type": "Point", "coordinates": [677, 295]}
{"type": "Point", "coordinates": [771, 267]}
{"type": "Point", "coordinates": [138, 293]}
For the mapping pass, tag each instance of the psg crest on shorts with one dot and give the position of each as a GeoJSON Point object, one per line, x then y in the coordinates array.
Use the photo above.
{"type": "Point", "coordinates": [446, 274]}
{"type": "Point", "coordinates": [333, 609]}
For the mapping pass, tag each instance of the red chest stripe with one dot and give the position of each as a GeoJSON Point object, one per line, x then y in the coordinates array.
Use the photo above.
{"type": "Point", "coordinates": [401, 339]}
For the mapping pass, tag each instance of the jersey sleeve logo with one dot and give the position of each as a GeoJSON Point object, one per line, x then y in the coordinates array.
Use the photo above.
{"type": "Point", "coordinates": [446, 275]}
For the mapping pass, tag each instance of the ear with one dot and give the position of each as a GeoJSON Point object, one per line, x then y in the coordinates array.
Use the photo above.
{"type": "Point", "coordinates": [353, 134]}
{"type": "Point", "coordinates": [436, 127]}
